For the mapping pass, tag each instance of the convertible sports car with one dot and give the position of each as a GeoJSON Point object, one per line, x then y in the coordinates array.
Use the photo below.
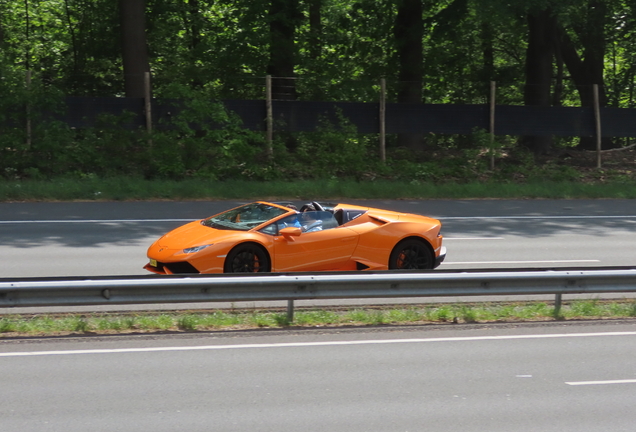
{"type": "Point", "coordinates": [271, 237]}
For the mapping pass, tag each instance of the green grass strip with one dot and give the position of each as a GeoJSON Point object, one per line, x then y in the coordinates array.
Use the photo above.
{"type": "Point", "coordinates": [100, 323]}
{"type": "Point", "coordinates": [121, 189]}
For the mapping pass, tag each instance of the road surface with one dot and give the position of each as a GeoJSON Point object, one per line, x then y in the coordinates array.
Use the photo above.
{"type": "Point", "coordinates": [497, 378]}
{"type": "Point", "coordinates": [111, 238]}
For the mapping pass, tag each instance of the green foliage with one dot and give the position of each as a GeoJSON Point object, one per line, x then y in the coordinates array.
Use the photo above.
{"type": "Point", "coordinates": [126, 188]}
{"type": "Point", "coordinates": [192, 144]}
{"type": "Point", "coordinates": [468, 314]}
{"type": "Point", "coordinates": [31, 140]}
{"type": "Point", "coordinates": [335, 151]}
{"type": "Point", "coordinates": [204, 51]}
{"type": "Point", "coordinates": [442, 313]}
{"type": "Point", "coordinates": [447, 314]}
{"type": "Point", "coordinates": [107, 149]}
{"type": "Point", "coordinates": [187, 322]}
{"type": "Point", "coordinates": [585, 308]}
{"type": "Point", "coordinates": [223, 46]}
{"type": "Point", "coordinates": [7, 325]}
{"type": "Point", "coordinates": [79, 324]}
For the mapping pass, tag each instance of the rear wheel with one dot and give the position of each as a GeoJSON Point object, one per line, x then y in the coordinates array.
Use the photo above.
{"type": "Point", "coordinates": [411, 254]}
{"type": "Point", "coordinates": [247, 258]}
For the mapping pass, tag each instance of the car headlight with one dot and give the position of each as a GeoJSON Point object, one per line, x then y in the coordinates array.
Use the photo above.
{"type": "Point", "coordinates": [195, 249]}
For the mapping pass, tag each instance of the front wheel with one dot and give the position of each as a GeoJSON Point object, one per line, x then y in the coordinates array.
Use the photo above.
{"type": "Point", "coordinates": [411, 254]}
{"type": "Point", "coordinates": [247, 258]}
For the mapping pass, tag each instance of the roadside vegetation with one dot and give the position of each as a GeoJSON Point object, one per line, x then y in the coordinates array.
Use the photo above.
{"type": "Point", "coordinates": [448, 174]}
{"type": "Point", "coordinates": [200, 53]}
{"type": "Point", "coordinates": [124, 189]}
{"type": "Point", "coordinates": [107, 162]}
{"type": "Point", "coordinates": [218, 320]}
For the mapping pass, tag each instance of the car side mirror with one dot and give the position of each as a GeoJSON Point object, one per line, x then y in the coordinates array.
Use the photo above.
{"type": "Point", "coordinates": [290, 232]}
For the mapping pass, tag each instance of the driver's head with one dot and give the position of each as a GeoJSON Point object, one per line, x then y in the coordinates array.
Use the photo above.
{"type": "Point", "coordinates": [305, 217]}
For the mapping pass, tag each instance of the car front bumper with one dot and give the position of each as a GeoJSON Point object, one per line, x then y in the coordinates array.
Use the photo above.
{"type": "Point", "coordinates": [440, 258]}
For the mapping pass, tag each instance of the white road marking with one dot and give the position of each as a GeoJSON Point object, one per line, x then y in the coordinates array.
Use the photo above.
{"type": "Point", "coordinates": [190, 220]}
{"type": "Point", "coordinates": [313, 344]}
{"type": "Point", "coordinates": [442, 218]}
{"type": "Point", "coordinates": [473, 238]}
{"type": "Point", "coordinates": [580, 383]}
{"type": "Point", "coordinates": [520, 262]}
{"type": "Point", "coordinates": [94, 221]}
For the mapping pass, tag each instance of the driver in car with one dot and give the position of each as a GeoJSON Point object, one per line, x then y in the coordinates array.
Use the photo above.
{"type": "Point", "coordinates": [309, 222]}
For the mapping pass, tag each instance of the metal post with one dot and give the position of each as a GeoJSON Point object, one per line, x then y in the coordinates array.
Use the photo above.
{"type": "Point", "coordinates": [558, 301]}
{"type": "Point", "coordinates": [383, 120]}
{"type": "Point", "coordinates": [290, 311]}
{"type": "Point", "coordinates": [270, 116]}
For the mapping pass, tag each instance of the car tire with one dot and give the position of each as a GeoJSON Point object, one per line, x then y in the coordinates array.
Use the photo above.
{"type": "Point", "coordinates": [411, 254]}
{"type": "Point", "coordinates": [247, 258]}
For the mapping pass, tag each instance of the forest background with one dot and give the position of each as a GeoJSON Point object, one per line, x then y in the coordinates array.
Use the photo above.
{"type": "Point", "coordinates": [539, 53]}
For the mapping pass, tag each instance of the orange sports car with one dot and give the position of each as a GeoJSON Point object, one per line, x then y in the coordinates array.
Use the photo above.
{"type": "Point", "coordinates": [275, 237]}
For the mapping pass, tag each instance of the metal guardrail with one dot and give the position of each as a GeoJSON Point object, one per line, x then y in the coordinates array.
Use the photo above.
{"type": "Point", "coordinates": [298, 286]}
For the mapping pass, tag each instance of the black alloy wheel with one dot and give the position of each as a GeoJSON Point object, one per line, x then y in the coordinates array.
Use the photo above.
{"type": "Point", "coordinates": [411, 254]}
{"type": "Point", "coordinates": [247, 258]}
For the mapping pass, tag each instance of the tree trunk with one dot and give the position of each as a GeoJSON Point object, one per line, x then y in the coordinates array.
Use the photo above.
{"type": "Point", "coordinates": [539, 55]}
{"type": "Point", "coordinates": [315, 29]}
{"type": "Point", "coordinates": [488, 52]}
{"type": "Point", "coordinates": [557, 94]}
{"type": "Point", "coordinates": [71, 31]}
{"type": "Point", "coordinates": [284, 16]}
{"type": "Point", "coordinates": [134, 46]}
{"type": "Point", "coordinates": [587, 71]}
{"type": "Point", "coordinates": [192, 22]}
{"type": "Point", "coordinates": [408, 32]}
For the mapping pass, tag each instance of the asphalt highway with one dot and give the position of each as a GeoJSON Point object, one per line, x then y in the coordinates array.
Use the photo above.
{"type": "Point", "coordinates": [562, 376]}
{"type": "Point", "coordinates": [111, 238]}
{"type": "Point", "coordinates": [488, 378]}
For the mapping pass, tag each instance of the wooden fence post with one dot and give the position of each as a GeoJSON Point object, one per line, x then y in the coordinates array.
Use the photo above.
{"type": "Point", "coordinates": [492, 124]}
{"type": "Point", "coordinates": [148, 106]}
{"type": "Point", "coordinates": [383, 120]}
{"type": "Point", "coordinates": [148, 102]}
{"type": "Point", "coordinates": [270, 116]}
{"type": "Point", "coordinates": [597, 121]}
{"type": "Point", "coordinates": [28, 110]}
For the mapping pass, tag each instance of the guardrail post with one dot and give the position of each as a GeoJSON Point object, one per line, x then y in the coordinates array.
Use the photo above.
{"type": "Point", "coordinates": [290, 311]}
{"type": "Point", "coordinates": [558, 300]}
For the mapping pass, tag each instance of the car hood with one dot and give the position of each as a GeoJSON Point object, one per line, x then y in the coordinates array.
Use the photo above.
{"type": "Point", "coordinates": [195, 234]}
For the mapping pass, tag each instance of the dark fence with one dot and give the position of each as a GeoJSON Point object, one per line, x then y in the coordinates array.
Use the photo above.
{"type": "Point", "coordinates": [306, 116]}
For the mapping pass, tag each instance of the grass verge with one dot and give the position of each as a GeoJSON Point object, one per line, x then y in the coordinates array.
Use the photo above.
{"type": "Point", "coordinates": [189, 321]}
{"type": "Point", "coordinates": [120, 189]}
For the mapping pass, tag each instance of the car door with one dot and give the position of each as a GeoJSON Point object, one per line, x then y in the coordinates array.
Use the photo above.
{"type": "Point", "coordinates": [327, 249]}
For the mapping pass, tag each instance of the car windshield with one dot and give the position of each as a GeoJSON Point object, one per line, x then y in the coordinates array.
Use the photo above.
{"type": "Point", "coordinates": [244, 218]}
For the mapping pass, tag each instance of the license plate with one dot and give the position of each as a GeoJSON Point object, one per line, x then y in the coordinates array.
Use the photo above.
{"type": "Point", "coordinates": [153, 263]}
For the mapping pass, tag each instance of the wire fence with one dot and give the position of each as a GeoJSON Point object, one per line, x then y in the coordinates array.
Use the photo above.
{"type": "Point", "coordinates": [303, 104]}
{"type": "Point", "coordinates": [308, 116]}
